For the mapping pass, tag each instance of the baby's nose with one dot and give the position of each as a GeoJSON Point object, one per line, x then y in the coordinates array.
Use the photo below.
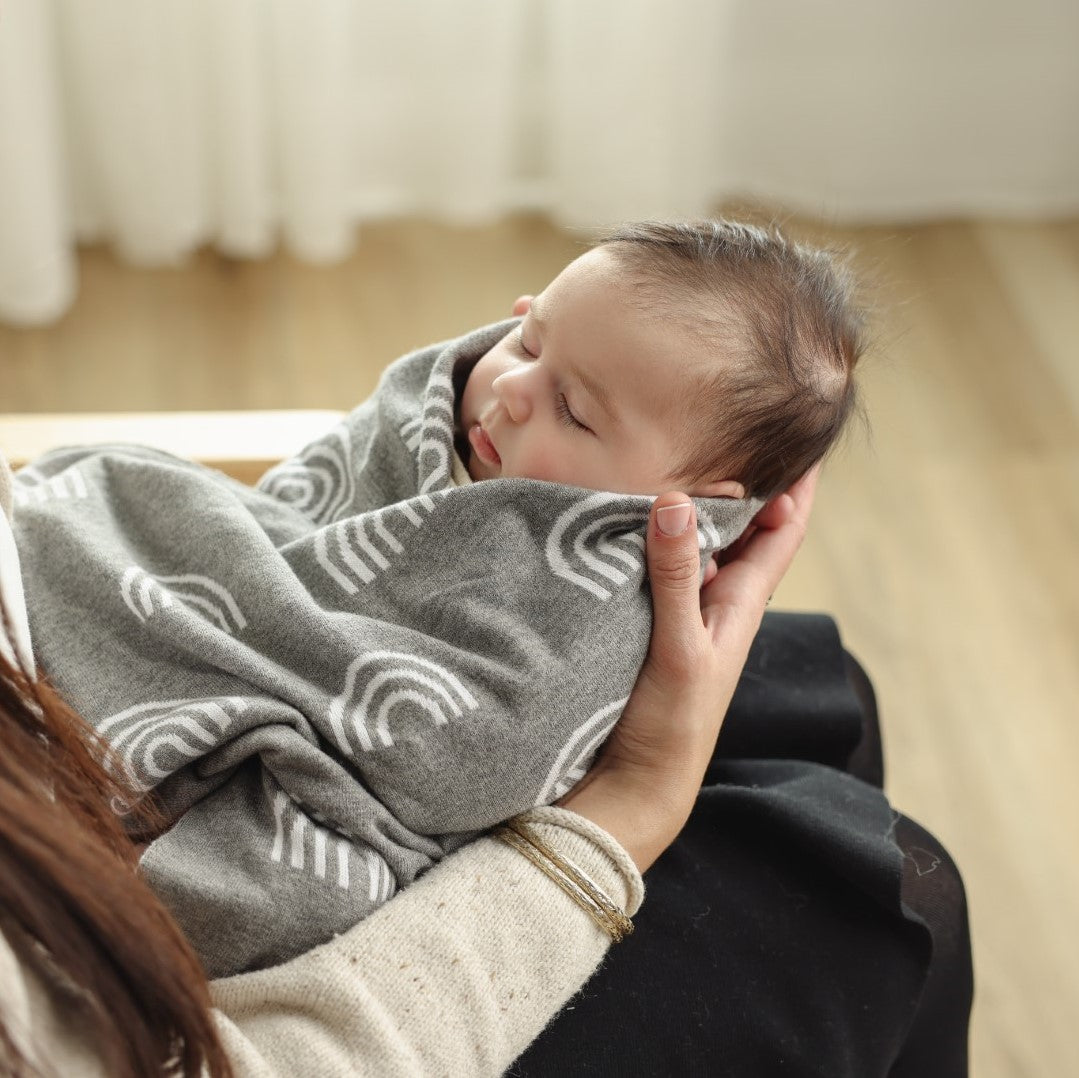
{"type": "Point", "coordinates": [511, 388]}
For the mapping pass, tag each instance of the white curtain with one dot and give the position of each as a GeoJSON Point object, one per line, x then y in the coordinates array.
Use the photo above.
{"type": "Point", "coordinates": [160, 125]}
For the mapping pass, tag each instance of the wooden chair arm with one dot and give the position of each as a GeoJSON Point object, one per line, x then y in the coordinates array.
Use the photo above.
{"type": "Point", "coordinates": [243, 444]}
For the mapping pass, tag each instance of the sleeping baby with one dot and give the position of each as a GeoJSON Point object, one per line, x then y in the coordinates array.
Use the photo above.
{"type": "Point", "coordinates": [430, 619]}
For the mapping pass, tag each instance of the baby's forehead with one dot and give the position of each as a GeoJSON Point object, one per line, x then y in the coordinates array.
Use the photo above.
{"type": "Point", "coordinates": [611, 283]}
{"type": "Point", "coordinates": [640, 333]}
{"type": "Point", "coordinates": [667, 386]}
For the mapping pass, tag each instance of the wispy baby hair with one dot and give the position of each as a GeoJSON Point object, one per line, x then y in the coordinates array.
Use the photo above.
{"type": "Point", "coordinates": [783, 319]}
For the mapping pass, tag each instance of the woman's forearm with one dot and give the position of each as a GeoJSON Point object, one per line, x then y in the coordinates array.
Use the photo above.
{"type": "Point", "coordinates": [457, 974]}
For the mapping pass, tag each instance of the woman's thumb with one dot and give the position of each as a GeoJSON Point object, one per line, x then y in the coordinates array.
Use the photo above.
{"type": "Point", "coordinates": [674, 560]}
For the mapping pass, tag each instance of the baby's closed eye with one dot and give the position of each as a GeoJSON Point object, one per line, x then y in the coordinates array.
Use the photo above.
{"type": "Point", "coordinates": [565, 414]}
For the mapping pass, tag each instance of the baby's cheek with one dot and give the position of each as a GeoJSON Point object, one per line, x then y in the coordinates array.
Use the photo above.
{"type": "Point", "coordinates": [477, 390]}
{"type": "Point", "coordinates": [546, 458]}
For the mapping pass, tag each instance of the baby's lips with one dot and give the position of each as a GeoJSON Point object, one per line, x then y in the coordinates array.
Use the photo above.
{"type": "Point", "coordinates": [481, 442]}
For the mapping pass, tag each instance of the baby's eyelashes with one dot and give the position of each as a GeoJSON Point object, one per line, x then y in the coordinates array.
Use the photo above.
{"type": "Point", "coordinates": [565, 414]}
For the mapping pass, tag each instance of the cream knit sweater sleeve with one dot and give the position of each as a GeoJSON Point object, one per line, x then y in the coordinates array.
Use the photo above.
{"type": "Point", "coordinates": [454, 976]}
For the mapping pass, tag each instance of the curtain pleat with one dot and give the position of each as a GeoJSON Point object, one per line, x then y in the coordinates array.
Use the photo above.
{"type": "Point", "coordinates": [159, 127]}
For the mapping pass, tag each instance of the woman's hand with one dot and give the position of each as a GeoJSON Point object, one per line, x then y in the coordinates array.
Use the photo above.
{"type": "Point", "coordinates": [643, 785]}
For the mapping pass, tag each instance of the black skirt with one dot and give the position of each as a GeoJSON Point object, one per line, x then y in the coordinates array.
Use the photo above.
{"type": "Point", "coordinates": [799, 925]}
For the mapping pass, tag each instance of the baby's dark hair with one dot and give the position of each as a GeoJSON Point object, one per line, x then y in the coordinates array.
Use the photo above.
{"type": "Point", "coordinates": [783, 313]}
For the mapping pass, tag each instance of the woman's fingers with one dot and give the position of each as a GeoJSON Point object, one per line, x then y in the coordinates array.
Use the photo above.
{"type": "Point", "coordinates": [643, 784]}
{"type": "Point", "coordinates": [710, 570]}
{"type": "Point", "coordinates": [735, 591]}
{"type": "Point", "coordinates": [736, 596]}
{"type": "Point", "coordinates": [674, 572]}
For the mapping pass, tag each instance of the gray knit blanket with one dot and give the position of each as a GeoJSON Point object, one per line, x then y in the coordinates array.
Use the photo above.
{"type": "Point", "coordinates": [334, 679]}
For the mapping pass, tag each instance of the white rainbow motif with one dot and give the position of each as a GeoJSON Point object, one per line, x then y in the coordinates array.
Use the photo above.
{"type": "Point", "coordinates": [378, 683]}
{"type": "Point", "coordinates": [382, 884]}
{"type": "Point", "coordinates": [35, 489]}
{"type": "Point", "coordinates": [303, 845]}
{"type": "Point", "coordinates": [708, 537]}
{"type": "Point", "coordinates": [145, 595]}
{"type": "Point", "coordinates": [580, 748]}
{"type": "Point", "coordinates": [156, 739]}
{"type": "Point", "coordinates": [435, 445]}
{"type": "Point", "coordinates": [354, 551]}
{"type": "Point", "coordinates": [319, 483]}
{"type": "Point", "coordinates": [411, 432]}
{"type": "Point", "coordinates": [31, 475]}
{"type": "Point", "coordinates": [578, 554]}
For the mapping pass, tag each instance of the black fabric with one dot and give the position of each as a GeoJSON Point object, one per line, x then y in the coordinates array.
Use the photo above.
{"type": "Point", "coordinates": [802, 697]}
{"type": "Point", "coordinates": [799, 925]}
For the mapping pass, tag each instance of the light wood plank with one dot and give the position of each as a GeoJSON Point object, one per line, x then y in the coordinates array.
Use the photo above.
{"type": "Point", "coordinates": [242, 444]}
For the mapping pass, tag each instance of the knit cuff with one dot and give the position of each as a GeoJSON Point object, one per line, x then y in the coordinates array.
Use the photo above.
{"type": "Point", "coordinates": [591, 850]}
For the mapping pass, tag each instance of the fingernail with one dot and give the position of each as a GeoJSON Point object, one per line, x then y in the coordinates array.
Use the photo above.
{"type": "Point", "coordinates": [672, 519]}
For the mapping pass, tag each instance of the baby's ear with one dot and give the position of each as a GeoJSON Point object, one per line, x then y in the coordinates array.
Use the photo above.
{"type": "Point", "coordinates": [522, 305]}
{"type": "Point", "coordinates": [723, 488]}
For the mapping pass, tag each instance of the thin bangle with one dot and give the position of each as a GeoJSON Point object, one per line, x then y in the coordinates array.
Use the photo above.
{"type": "Point", "coordinates": [578, 886]}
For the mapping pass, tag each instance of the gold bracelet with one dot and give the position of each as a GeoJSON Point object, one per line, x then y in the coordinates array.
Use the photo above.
{"type": "Point", "coordinates": [578, 886]}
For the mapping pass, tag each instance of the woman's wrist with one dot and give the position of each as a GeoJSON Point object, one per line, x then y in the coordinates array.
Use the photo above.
{"type": "Point", "coordinates": [642, 818]}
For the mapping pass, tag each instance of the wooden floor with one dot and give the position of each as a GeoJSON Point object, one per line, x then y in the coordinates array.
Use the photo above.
{"type": "Point", "coordinates": [946, 539]}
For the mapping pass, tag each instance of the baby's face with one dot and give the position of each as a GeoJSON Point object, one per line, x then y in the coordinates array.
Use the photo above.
{"type": "Point", "coordinates": [586, 391]}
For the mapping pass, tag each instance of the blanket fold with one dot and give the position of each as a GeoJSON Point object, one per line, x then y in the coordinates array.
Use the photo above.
{"type": "Point", "coordinates": [334, 679]}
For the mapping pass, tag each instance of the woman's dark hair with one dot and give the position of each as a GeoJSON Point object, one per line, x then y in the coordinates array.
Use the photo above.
{"type": "Point", "coordinates": [782, 318]}
{"type": "Point", "coordinates": [70, 891]}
